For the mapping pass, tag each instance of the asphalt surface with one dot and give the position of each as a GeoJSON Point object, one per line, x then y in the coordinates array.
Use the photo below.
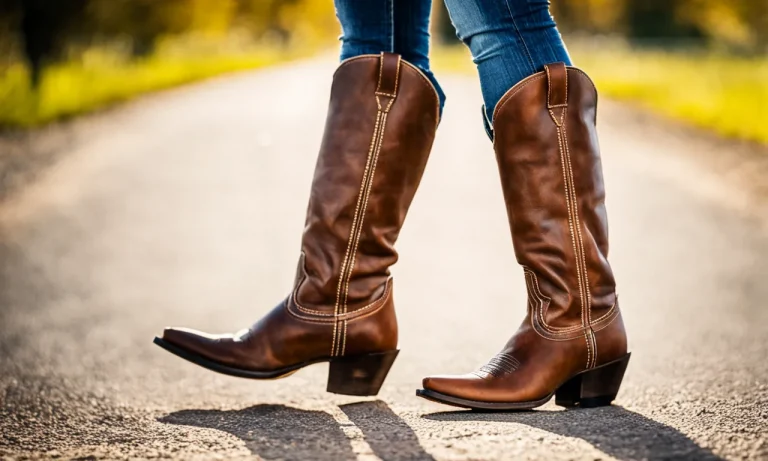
{"type": "Point", "coordinates": [186, 208]}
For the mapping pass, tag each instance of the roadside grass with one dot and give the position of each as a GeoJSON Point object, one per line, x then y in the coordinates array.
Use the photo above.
{"type": "Point", "coordinates": [725, 94]}
{"type": "Point", "coordinates": [102, 78]}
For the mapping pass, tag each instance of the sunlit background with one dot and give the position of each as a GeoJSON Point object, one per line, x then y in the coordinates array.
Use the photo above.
{"type": "Point", "coordinates": [135, 195]}
{"type": "Point", "coordinates": [702, 61]}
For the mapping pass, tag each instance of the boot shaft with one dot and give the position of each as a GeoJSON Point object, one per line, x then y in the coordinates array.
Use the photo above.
{"type": "Point", "coordinates": [549, 159]}
{"type": "Point", "coordinates": [380, 126]}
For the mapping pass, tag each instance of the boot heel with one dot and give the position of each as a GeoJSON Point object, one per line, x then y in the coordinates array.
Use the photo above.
{"type": "Point", "coordinates": [594, 388]}
{"type": "Point", "coordinates": [360, 374]}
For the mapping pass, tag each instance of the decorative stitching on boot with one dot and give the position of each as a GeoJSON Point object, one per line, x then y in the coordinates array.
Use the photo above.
{"type": "Point", "coordinates": [544, 301]}
{"type": "Point", "coordinates": [522, 84]}
{"type": "Point", "coordinates": [569, 197]}
{"type": "Point", "coordinates": [367, 194]}
{"type": "Point", "coordinates": [356, 243]}
{"type": "Point", "coordinates": [381, 73]}
{"type": "Point", "coordinates": [357, 314]}
{"type": "Point", "coordinates": [339, 342]}
{"type": "Point", "coordinates": [593, 339]}
{"type": "Point", "coordinates": [580, 255]}
{"type": "Point", "coordinates": [501, 364]}
{"type": "Point", "coordinates": [343, 269]}
{"type": "Point", "coordinates": [578, 229]}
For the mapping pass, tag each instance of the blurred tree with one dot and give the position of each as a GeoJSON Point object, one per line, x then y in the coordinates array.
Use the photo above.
{"type": "Point", "coordinates": [732, 25]}
{"type": "Point", "coordinates": [657, 20]}
{"type": "Point", "coordinates": [590, 16]}
{"type": "Point", "coordinates": [42, 23]}
{"type": "Point", "coordinates": [139, 22]}
{"type": "Point", "coordinates": [45, 30]}
{"type": "Point", "coordinates": [9, 38]}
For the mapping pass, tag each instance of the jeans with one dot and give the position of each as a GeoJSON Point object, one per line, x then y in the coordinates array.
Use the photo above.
{"type": "Point", "coordinates": [396, 26]}
{"type": "Point", "coordinates": [509, 39]}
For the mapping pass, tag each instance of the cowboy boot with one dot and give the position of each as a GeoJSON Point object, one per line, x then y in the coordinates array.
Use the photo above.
{"type": "Point", "coordinates": [572, 342]}
{"type": "Point", "coordinates": [379, 130]}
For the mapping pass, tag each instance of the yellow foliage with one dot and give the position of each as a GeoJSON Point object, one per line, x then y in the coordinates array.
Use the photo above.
{"type": "Point", "coordinates": [725, 94]}
{"type": "Point", "coordinates": [103, 78]}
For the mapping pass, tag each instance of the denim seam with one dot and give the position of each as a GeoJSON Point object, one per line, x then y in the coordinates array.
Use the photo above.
{"type": "Point", "coordinates": [520, 36]}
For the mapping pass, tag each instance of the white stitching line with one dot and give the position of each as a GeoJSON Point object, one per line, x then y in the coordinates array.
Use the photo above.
{"type": "Point", "coordinates": [301, 276]}
{"type": "Point", "coordinates": [397, 78]}
{"type": "Point", "coordinates": [578, 228]}
{"type": "Point", "coordinates": [321, 313]}
{"type": "Point", "coordinates": [566, 334]}
{"type": "Point", "coordinates": [537, 76]}
{"type": "Point", "coordinates": [553, 336]}
{"type": "Point", "coordinates": [367, 194]}
{"type": "Point", "coordinates": [580, 255]}
{"type": "Point", "coordinates": [573, 236]}
{"type": "Point", "coordinates": [549, 86]}
{"type": "Point", "coordinates": [355, 246]}
{"type": "Point", "coordinates": [418, 71]}
{"type": "Point", "coordinates": [561, 122]}
{"type": "Point", "coordinates": [617, 314]}
{"type": "Point", "coordinates": [381, 71]}
{"type": "Point", "coordinates": [369, 184]}
{"type": "Point", "coordinates": [344, 340]}
{"type": "Point", "coordinates": [522, 84]}
{"type": "Point", "coordinates": [343, 269]}
{"type": "Point", "coordinates": [589, 350]}
{"type": "Point", "coordinates": [578, 247]}
{"type": "Point", "coordinates": [604, 316]}
{"type": "Point", "coordinates": [366, 190]}
{"type": "Point", "coordinates": [354, 315]}
{"type": "Point", "coordinates": [570, 219]}
{"type": "Point", "coordinates": [549, 89]}
{"type": "Point", "coordinates": [539, 296]}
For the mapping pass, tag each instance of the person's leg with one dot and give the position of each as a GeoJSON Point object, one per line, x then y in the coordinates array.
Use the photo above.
{"type": "Point", "coordinates": [412, 37]}
{"type": "Point", "coordinates": [381, 122]}
{"type": "Point", "coordinates": [395, 26]}
{"type": "Point", "coordinates": [509, 40]}
{"type": "Point", "coordinates": [572, 343]}
{"type": "Point", "coordinates": [366, 27]}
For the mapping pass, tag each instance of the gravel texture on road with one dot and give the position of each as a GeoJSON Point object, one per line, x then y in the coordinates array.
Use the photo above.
{"type": "Point", "coordinates": [186, 208]}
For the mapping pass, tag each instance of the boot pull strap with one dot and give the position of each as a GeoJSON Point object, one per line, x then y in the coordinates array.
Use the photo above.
{"type": "Point", "coordinates": [389, 78]}
{"type": "Point", "coordinates": [557, 91]}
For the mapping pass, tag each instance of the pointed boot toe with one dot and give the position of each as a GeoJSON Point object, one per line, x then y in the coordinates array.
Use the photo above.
{"type": "Point", "coordinates": [382, 117]}
{"type": "Point", "coordinates": [440, 383]}
{"type": "Point", "coordinates": [199, 347]}
{"type": "Point", "coordinates": [187, 339]}
{"type": "Point", "coordinates": [456, 390]}
{"type": "Point", "coordinates": [571, 344]}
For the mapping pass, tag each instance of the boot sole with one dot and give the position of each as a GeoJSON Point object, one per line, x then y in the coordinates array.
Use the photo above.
{"type": "Point", "coordinates": [588, 389]}
{"type": "Point", "coordinates": [359, 375]}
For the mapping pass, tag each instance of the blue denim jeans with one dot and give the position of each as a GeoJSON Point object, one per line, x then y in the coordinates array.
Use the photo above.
{"type": "Point", "coordinates": [509, 39]}
{"type": "Point", "coordinates": [396, 26]}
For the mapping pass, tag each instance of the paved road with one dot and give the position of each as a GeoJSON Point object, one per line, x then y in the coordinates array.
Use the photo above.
{"type": "Point", "coordinates": [187, 208]}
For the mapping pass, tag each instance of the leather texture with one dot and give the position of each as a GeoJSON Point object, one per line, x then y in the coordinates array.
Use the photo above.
{"type": "Point", "coordinates": [549, 160]}
{"type": "Point", "coordinates": [381, 123]}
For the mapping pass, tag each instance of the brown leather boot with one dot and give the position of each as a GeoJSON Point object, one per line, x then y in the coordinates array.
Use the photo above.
{"type": "Point", "coordinates": [379, 130]}
{"type": "Point", "coordinates": [572, 343]}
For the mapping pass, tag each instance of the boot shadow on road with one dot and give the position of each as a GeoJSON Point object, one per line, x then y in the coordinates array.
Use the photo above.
{"type": "Point", "coordinates": [615, 431]}
{"type": "Point", "coordinates": [286, 433]}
